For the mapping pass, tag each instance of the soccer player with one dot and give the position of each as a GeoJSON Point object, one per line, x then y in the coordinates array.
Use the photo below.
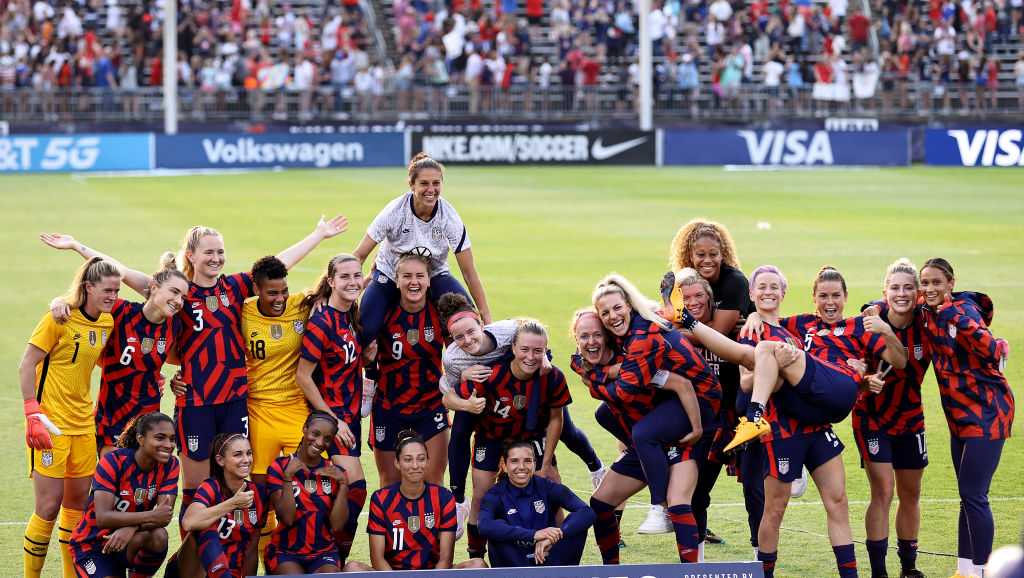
{"type": "Point", "coordinates": [653, 353]}
{"type": "Point", "coordinates": [213, 386]}
{"type": "Point", "coordinates": [418, 218]}
{"type": "Point", "coordinates": [330, 374]}
{"type": "Point", "coordinates": [223, 523]}
{"type": "Point", "coordinates": [273, 324]}
{"type": "Point", "coordinates": [308, 493]}
{"type": "Point", "coordinates": [521, 404]}
{"type": "Point", "coordinates": [409, 357]}
{"type": "Point", "coordinates": [60, 432]}
{"type": "Point", "coordinates": [475, 347]}
{"type": "Point", "coordinates": [518, 515]}
{"type": "Point", "coordinates": [976, 399]}
{"type": "Point", "coordinates": [131, 504]}
{"type": "Point", "coordinates": [888, 424]}
{"type": "Point", "coordinates": [412, 522]}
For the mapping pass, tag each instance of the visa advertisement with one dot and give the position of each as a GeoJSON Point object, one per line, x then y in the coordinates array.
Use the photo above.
{"type": "Point", "coordinates": [991, 147]}
{"type": "Point", "coordinates": [786, 148]}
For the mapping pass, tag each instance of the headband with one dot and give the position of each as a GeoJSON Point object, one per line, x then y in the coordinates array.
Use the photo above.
{"type": "Point", "coordinates": [461, 315]}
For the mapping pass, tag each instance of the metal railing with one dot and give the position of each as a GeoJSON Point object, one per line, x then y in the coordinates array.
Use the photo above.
{"type": "Point", "coordinates": [907, 100]}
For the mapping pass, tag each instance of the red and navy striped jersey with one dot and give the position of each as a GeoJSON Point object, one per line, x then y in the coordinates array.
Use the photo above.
{"type": "Point", "coordinates": [412, 526]}
{"type": "Point", "coordinates": [409, 356]}
{"type": "Point", "coordinates": [618, 399]}
{"type": "Point", "coordinates": [506, 416]}
{"type": "Point", "coordinates": [331, 343]}
{"type": "Point", "coordinates": [210, 342]}
{"type": "Point", "coordinates": [836, 342]}
{"type": "Point", "coordinates": [311, 534]}
{"type": "Point", "coordinates": [649, 349]}
{"type": "Point", "coordinates": [897, 409]}
{"type": "Point", "coordinates": [134, 490]}
{"type": "Point", "coordinates": [225, 542]}
{"type": "Point", "coordinates": [976, 397]}
{"type": "Point", "coordinates": [783, 426]}
{"type": "Point", "coordinates": [131, 363]}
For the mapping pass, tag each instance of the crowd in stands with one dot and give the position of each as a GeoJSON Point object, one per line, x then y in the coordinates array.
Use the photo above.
{"type": "Point", "coordinates": [322, 57]}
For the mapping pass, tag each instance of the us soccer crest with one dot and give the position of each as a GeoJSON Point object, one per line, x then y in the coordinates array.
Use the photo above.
{"type": "Point", "coordinates": [918, 352]}
{"type": "Point", "coordinates": [151, 492]}
{"type": "Point", "coordinates": [379, 432]}
{"type": "Point", "coordinates": [211, 303]}
{"type": "Point", "coordinates": [519, 401]}
{"type": "Point", "coordinates": [252, 517]}
{"type": "Point", "coordinates": [103, 337]}
{"type": "Point", "coordinates": [92, 338]}
{"type": "Point", "coordinates": [839, 331]}
{"type": "Point", "coordinates": [873, 446]}
{"type": "Point", "coordinates": [90, 567]}
{"type": "Point", "coordinates": [161, 345]}
{"type": "Point", "coordinates": [436, 234]}
{"type": "Point", "coordinates": [783, 466]}
{"type": "Point", "coordinates": [428, 333]}
{"type": "Point", "coordinates": [147, 345]}
{"type": "Point", "coordinates": [952, 332]}
{"type": "Point", "coordinates": [47, 458]}
{"type": "Point", "coordinates": [140, 496]}
{"type": "Point", "coordinates": [412, 336]}
{"type": "Point", "coordinates": [325, 485]}
{"type": "Point", "coordinates": [276, 331]}
{"type": "Point", "coordinates": [539, 506]}
{"type": "Point", "coordinates": [193, 443]}
{"type": "Point", "coordinates": [413, 523]}
{"type": "Point", "coordinates": [310, 486]}
{"type": "Point", "coordinates": [299, 327]}
{"type": "Point", "coordinates": [481, 454]}
{"type": "Point", "coordinates": [224, 300]}
{"type": "Point", "coordinates": [428, 520]}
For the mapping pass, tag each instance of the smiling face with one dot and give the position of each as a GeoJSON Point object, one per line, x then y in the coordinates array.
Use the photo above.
{"type": "Point", "coordinates": [529, 351]}
{"type": "Point", "coordinates": [901, 292]}
{"type": "Point", "coordinates": [468, 334]}
{"type": "Point", "coordinates": [935, 286]}
{"type": "Point", "coordinates": [347, 281]}
{"type": "Point", "coordinates": [520, 464]}
{"type": "Point", "coordinates": [829, 300]}
{"type": "Point", "coordinates": [158, 442]}
{"type": "Point", "coordinates": [170, 296]}
{"type": "Point", "coordinates": [413, 281]}
{"type": "Point", "coordinates": [590, 339]}
{"type": "Point", "coordinates": [316, 437]}
{"type": "Point", "coordinates": [236, 458]}
{"type": "Point", "coordinates": [697, 302]}
{"type": "Point", "coordinates": [767, 293]}
{"type": "Point", "coordinates": [706, 255]}
{"type": "Point", "coordinates": [412, 462]}
{"type": "Point", "coordinates": [614, 313]}
{"type": "Point", "coordinates": [426, 186]}
{"type": "Point", "coordinates": [273, 295]}
{"type": "Point", "coordinates": [103, 295]}
{"type": "Point", "coordinates": [208, 258]}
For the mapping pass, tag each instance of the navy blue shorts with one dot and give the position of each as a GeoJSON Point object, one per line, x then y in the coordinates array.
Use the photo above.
{"type": "Point", "coordinates": [824, 395]}
{"type": "Point", "coordinates": [905, 452]}
{"type": "Point", "coordinates": [310, 564]}
{"type": "Point", "coordinates": [487, 453]}
{"type": "Point", "coordinates": [95, 563]}
{"type": "Point", "coordinates": [629, 465]}
{"type": "Point", "coordinates": [357, 450]}
{"type": "Point", "coordinates": [387, 424]}
{"type": "Point", "coordinates": [198, 425]}
{"type": "Point", "coordinates": [786, 458]}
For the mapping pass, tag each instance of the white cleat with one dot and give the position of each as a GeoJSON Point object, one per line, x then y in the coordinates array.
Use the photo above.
{"type": "Point", "coordinates": [657, 522]}
{"type": "Point", "coordinates": [596, 477]}
{"type": "Point", "coordinates": [461, 514]}
{"type": "Point", "coordinates": [799, 485]}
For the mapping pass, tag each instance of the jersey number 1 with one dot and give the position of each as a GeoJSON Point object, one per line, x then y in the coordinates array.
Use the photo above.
{"type": "Point", "coordinates": [397, 539]}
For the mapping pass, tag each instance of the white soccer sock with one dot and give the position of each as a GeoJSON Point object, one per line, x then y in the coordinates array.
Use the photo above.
{"type": "Point", "coordinates": [755, 555]}
{"type": "Point", "coordinates": [700, 552]}
{"type": "Point", "coordinates": [978, 571]}
{"type": "Point", "coordinates": [964, 566]}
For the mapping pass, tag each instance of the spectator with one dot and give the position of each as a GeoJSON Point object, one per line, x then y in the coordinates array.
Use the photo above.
{"type": "Point", "coordinates": [304, 80]}
{"type": "Point", "coordinates": [720, 10]}
{"type": "Point", "coordinates": [860, 27]}
{"type": "Point", "coordinates": [773, 71]}
{"type": "Point", "coordinates": [1018, 72]}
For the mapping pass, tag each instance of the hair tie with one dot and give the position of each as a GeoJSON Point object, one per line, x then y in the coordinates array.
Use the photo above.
{"type": "Point", "coordinates": [461, 315]}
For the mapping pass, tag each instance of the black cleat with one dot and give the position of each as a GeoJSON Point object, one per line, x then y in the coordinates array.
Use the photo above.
{"type": "Point", "coordinates": [912, 573]}
{"type": "Point", "coordinates": [668, 283]}
{"type": "Point", "coordinates": [712, 538]}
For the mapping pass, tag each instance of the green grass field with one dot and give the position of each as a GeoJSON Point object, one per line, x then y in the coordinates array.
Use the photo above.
{"type": "Point", "coordinates": [542, 237]}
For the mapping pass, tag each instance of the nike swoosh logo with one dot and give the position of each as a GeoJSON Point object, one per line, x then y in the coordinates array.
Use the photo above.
{"type": "Point", "coordinates": [600, 152]}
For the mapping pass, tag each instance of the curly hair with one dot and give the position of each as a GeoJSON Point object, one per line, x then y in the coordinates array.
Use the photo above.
{"type": "Point", "coordinates": [682, 244]}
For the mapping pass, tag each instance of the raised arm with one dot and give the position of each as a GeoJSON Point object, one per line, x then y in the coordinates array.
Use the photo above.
{"type": "Point", "coordinates": [475, 286]}
{"type": "Point", "coordinates": [137, 280]}
{"type": "Point", "coordinates": [895, 353]}
{"type": "Point", "coordinates": [199, 516]}
{"type": "Point", "coordinates": [324, 230]}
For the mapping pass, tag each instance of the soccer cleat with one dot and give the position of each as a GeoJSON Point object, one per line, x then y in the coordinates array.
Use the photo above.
{"type": "Point", "coordinates": [461, 514]}
{"type": "Point", "coordinates": [657, 522]}
{"type": "Point", "coordinates": [912, 573]}
{"type": "Point", "coordinates": [596, 477]}
{"type": "Point", "coordinates": [746, 431]}
{"type": "Point", "coordinates": [668, 283]}
{"type": "Point", "coordinates": [713, 538]}
{"type": "Point", "coordinates": [799, 485]}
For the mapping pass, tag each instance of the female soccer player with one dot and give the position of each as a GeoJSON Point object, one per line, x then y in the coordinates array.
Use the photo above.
{"type": "Point", "coordinates": [211, 347]}
{"type": "Point", "coordinates": [309, 495]}
{"type": "Point", "coordinates": [976, 399]}
{"type": "Point", "coordinates": [418, 218]}
{"type": "Point", "coordinates": [888, 424]}
{"type": "Point", "coordinates": [518, 515]}
{"type": "Point", "coordinates": [474, 348]}
{"type": "Point", "coordinates": [521, 404]}
{"type": "Point", "coordinates": [60, 432]}
{"type": "Point", "coordinates": [330, 349]}
{"type": "Point", "coordinates": [223, 523]}
{"type": "Point", "coordinates": [412, 522]}
{"type": "Point", "coordinates": [652, 353]}
{"type": "Point", "coordinates": [131, 504]}
{"type": "Point", "coordinates": [409, 357]}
